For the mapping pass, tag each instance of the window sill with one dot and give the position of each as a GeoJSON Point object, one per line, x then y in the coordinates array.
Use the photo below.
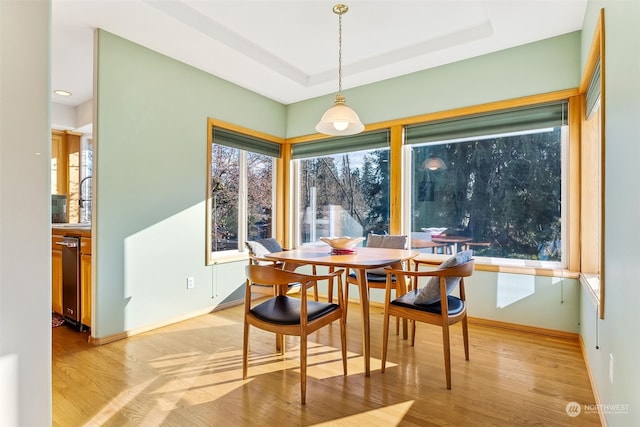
{"type": "Point", "coordinates": [220, 258]}
{"type": "Point", "coordinates": [591, 284]}
{"type": "Point", "coordinates": [510, 266]}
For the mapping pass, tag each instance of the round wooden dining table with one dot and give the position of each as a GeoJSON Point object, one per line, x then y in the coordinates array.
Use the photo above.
{"type": "Point", "coordinates": [362, 259]}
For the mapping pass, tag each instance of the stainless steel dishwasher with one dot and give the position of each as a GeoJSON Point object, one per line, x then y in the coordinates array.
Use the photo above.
{"type": "Point", "coordinates": [71, 307]}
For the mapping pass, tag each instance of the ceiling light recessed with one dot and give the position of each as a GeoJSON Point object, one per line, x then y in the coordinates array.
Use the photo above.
{"type": "Point", "coordinates": [62, 92]}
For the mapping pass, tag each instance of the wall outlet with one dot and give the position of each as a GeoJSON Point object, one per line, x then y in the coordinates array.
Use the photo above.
{"type": "Point", "coordinates": [191, 283]}
{"type": "Point", "coordinates": [611, 368]}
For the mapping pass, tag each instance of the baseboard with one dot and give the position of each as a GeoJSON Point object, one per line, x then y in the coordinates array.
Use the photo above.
{"type": "Point", "coordinates": [191, 315]}
{"type": "Point", "coordinates": [592, 381]}
{"type": "Point", "coordinates": [524, 328]}
{"type": "Point", "coordinates": [497, 324]}
{"type": "Point", "coordinates": [472, 320]}
{"type": "Point", "coordinates": [152, 326]}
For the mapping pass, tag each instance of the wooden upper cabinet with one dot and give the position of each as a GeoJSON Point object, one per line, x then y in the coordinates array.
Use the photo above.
{"type": "Point", "coordinates": [58, 162]}
{"type": "Point", "coordinates": [65, 169]}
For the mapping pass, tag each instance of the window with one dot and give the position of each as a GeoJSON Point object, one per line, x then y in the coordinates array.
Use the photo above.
{"type": "Point", "coordinates": [492, 182]}
{"type": "Point", "coordinates": [342, 187]}
{"type": "Point", "coordinates": [225, 197]}
{"type": "Point", "coordinates": [71, 168]}
{"type": "Point", "coordinates": [240, 189]}
{"type": "Point", "coordinates": [592, 177]}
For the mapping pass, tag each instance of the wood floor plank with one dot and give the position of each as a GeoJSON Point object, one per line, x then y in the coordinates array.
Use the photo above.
{"type": "Point", "coordinates": [190, 374]}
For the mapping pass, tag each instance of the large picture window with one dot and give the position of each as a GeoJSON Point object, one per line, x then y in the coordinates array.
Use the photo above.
{"type": "Point", "coordinates": [492, 183]}
{"type": "Point", "coordinates": [240, 190]}
{"type": "Point", "coordinates": [342, 187]}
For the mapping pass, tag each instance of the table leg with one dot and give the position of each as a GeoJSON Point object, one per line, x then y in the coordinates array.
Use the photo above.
{"type": "Point", "coordinates": [401, 289]}
{"type": "Point", "coordinates": [366, 330]}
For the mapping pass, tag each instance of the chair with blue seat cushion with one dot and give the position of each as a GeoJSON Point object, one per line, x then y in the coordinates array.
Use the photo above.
{"type": "Point", "coordinates": [377, 277]}
{"type": "Point", "coordinates": [442, 310]}
{"type": "Point", "coordinates": [288, 315]}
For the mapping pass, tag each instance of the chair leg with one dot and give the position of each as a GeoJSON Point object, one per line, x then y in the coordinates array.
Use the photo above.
{"type": "Point", "coordinates": [465, 337]}
{"type": "Point", "coordinates": [413, 332]}
{"type": "Point", "coordinates": [343, 339]}
{"type": "Point", "coordinates": [303, 368]}
{"type": "Point", "coordinates": [245, 351]}
{"type": "Point", "coordinates": [385, 341]}
{"type": "Point", "coordinates": [447, 354]}
{"type": "Point", "coordinates": [280, 343]}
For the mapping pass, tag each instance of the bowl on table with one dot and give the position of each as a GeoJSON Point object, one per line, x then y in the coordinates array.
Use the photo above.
{"type": "Point", "coordinates": [342, 244]}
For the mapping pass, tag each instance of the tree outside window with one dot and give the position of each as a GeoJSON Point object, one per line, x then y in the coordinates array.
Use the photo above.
{"type": "Point", "coordinates": [344, 194]}
{"type": "Point", "coordinates": [241, 165]}
{"type": "Point", "coordinates": [503, 192]}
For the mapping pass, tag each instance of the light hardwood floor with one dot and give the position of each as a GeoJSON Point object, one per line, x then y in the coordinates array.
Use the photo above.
{"type": "Point", "coordinates": [190, 374]}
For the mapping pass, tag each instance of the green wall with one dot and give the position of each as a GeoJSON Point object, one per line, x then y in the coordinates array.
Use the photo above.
{"type": "Point", "coordinates": [150, 176]}
{"type": "Point", "coordinates": [617, 334]}
{"type": "Point", "coordinates": [545, 66]}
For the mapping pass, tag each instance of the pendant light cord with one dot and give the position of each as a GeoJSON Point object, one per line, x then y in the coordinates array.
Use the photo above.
{"type": "Point", "coordinates": [340, 53]}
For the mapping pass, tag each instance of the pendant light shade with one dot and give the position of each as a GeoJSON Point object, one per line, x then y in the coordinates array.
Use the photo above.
{"type": "Point", "coordinates": [340, 119]}
{"type": "Point", "coordinates": [433, 163]}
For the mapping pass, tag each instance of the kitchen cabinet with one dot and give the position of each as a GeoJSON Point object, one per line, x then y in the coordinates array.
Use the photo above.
{"type": "Point", "coordinates": [58, 233]}
{"type": "Point", "coordinates": [85, 280]}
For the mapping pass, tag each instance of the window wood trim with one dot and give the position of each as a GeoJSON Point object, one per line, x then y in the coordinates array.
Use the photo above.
{"type": "Point", "coordinates": [588, 271]}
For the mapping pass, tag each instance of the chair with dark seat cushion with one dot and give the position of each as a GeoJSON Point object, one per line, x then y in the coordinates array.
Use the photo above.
{"type": "Point", "coordinates": [259, 248]}
{"type": "Point", "coordinates": [432, 303]}
{"type": "Point", "coordinates": [287, 315]}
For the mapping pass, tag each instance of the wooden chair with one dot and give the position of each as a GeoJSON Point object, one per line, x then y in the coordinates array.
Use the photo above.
{"type": "Point", "coordinates": [444, 312]}
{"type": "Point", "coordinates": [286, 315]}
{"type": "Point", "coordinates": [259, 248]}
{"type": "Point", "coordinates": [377, 277]}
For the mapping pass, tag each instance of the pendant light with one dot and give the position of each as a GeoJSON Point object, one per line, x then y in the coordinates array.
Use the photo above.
{"type": "Point", "coordinates": [340, 119]}
{"type": "Point", "coordinates": [433, 163]}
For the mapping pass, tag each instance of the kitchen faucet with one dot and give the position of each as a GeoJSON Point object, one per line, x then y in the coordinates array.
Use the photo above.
{"type": "Point", "coordinates": [81, 199]}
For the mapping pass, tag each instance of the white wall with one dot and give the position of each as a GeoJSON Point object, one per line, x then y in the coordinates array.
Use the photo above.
{"type": "Point", "coordinates": [25, 242]}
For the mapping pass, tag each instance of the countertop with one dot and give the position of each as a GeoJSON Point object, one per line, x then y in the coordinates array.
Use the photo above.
{"type": "Point", "coordinates": [78, 229]}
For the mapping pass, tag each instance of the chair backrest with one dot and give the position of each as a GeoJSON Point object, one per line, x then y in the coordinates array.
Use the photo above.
{"type": "Point", "coordinates": [262, 247]}
{"type": "Point", "coordinates": [269, 276]}
{"type": "Point", "coordinates": [390, 241]}
{"type": "Point", "coordinates": [452, 274]}
{"type": "Point", "coordinates": [420, 235]}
